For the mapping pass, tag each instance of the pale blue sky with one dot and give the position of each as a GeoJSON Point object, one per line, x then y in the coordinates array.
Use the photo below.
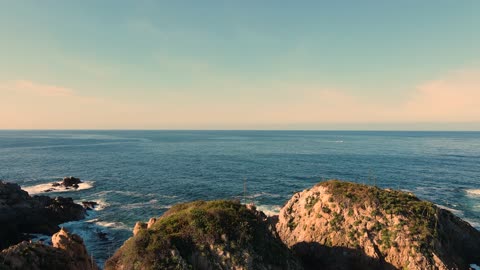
{"type": "Point", "coordinates": [256, 63]}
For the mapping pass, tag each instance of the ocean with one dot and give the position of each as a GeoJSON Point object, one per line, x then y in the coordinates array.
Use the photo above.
{"type": "Point", "coordinates": [135, 175]}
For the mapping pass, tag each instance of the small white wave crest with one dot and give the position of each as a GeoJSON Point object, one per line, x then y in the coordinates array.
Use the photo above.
{"type": "Point", "coordinates": [101, 204]}
{"type": "Point", "coordinates": [48, 188]}
{"type": "Point", "coordinates": [109, 224]}
{"type": "Point", "coordinates": [151, 204]}
{"type": "Point", "coordinates": [269, 210]}
{"type": "Point", "coordinates": [455, 211]}
{"type": "Point", "coordinates": [473, 192]}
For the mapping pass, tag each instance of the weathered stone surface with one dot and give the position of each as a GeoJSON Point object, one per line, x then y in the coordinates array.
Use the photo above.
{"type": "Point", "coordinates": [341, 225]}
{"type": "Point", "coordinates": [205, 235]}
{"type": "Point", "coordinates": [68, 253]}
{"type": "Point", "coordinates": [21, 213]}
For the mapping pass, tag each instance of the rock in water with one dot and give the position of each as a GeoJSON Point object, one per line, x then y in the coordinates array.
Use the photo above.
{"type": "Point", "coordinates": [20, 213]}
{"type": "Point", "coordinates": [342, 225]}
{"type": "Point", "coordinates": [205, 235]}
{"type": "Point", "coordinates": [89, 205]}
{"type": "Point", "coordinates": [68, 253]}
{"type": "Point", "coordinates": [71, 182]}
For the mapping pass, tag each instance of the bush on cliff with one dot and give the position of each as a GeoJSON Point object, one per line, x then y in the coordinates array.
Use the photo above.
{"type": "Point", "coordinates": [205, 235]}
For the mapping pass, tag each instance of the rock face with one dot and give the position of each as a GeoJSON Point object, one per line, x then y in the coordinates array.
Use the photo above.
{"type": "Point", "coordinates": [205, 235]}
{"type": "Point", "coordinates": [21, 213]}
{"type": "Point", "coordinates": [68, 253]}
{"type": "Point", "coordinates": [341, 225]}
{"type": "Point", "coordinates": [89, 205]}
{"type": "Point", "coordinates": [71, 182]}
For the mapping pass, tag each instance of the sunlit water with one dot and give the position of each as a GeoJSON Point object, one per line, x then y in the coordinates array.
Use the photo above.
{"type": "Point", "coordinates": [135, 175]}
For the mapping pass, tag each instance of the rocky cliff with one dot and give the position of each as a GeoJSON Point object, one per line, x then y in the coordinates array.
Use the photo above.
{"type": "Point", "coordinates": [67, 253]}
{"type": "Point", "coordinates": [205, 235]}
{"type": "Point", "coordinates": [342, 225]}
{"type": "Point", "coordinates": [20, 213]}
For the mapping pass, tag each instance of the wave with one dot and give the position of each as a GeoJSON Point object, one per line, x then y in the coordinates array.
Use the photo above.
{"type": "Point", "coordinates": [151, 204]}
{"type": "Point", "coordinates": [474, 223]}
{"type": "Point", "coordinates": [48, 188]}
{"type": "Point", "coordinates": [101, 204]}
{"type": "Point", "coordinates": [473, 192]}
{"type": "Point", "coordinates": [131, 194]}
{"type": "Point", "coordinates": [269, 210]}
{"type": "Point", "coordinates": [109, 224]}
{"type": "Point", "coordinates": [455, 211]}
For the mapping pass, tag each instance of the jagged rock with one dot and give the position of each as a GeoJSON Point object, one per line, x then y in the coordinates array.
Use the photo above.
{"type": "Point", "coordinates": [71, 182]}
{"type": "Point", "coordinates": [139, 226]}
{"type": "Point", "coordinates": [20, 214]}
{"type": "Point", "coordinates": [205, 235]}
{"type": "Point", "coordinates": [73, 245]}
{"type": "Point", "coordinates": [151, 222]}
{"type": "Point", "coordinates": [341, 225]}
{"type": "Point", "coordinates": [89, 205]}
{"type": "Point", "coordinates": [68, 253]}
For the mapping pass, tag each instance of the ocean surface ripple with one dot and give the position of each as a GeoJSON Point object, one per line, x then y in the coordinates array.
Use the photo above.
{"type": "Point", "coordinates": [135, 175]}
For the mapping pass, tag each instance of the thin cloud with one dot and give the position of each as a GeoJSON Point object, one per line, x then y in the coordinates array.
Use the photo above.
{"type": "Point", "coordinates": [453, 98]}
{"type": "Point", "coordinates": [30, 87]}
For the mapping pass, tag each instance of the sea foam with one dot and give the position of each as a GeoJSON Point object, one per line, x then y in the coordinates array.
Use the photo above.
{"type": "Point", "coordinates": [42, 188]}
{"type": "Point", "coordinates": [473, 192]}
{"type": "Point", "coordinates": [269, 210]}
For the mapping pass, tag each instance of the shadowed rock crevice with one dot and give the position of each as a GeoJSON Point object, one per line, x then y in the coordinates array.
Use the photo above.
{"type": "Point", "coordinates": [315, 256]}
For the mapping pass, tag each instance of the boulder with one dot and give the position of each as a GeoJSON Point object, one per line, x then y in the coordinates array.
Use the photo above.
{"type": "Point", "coordinates": [68, 253]}
{"type": "Point", "coordinates": [342, 225]}
{"type": "Point", "coordinates": [22, 214]}
{"type": "Point", "coordinates": [89, 205]}
{"type": "Point", "coordinates": [71, 182]}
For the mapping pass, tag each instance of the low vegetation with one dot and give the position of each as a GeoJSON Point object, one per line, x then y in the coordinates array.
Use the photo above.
{"type": "Point", "coordinates": [419, 216]}
{"type": "Point", "coordinates": [196, 233]}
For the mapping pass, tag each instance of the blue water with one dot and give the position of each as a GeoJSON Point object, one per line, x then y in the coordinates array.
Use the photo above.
{"type": "Point", "coordinates": [139, 174]}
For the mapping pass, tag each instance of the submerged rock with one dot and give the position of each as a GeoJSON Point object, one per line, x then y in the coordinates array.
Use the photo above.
{"type": "Point", "coordinates": [68, 253]}
{"type": "Point", "coordinates": [205, 235]}
{"type": "Point", "coordinates": [342, 225]}
{"type": "Point", "coordinates": [22, 214]}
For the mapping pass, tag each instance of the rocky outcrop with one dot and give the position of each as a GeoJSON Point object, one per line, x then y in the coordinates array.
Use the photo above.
{"type": "Point", "coordinates": [341, 225]}
{"type": "Point", "coordinates": [68, 253]}
{"type": "Point", "coordinates": [142, 225]}
{"type": "Point", "coordinates": [21, 214]}
{"type": "Point", "coordinates": [89, 205]}
{"type": "Point", "coordinates": [205, 235]}
{"type": "Point", "coordinates": [70, 182]}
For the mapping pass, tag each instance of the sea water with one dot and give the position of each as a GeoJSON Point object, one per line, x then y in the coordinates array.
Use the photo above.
{"type": "Point", "coordinates": [135, 175]}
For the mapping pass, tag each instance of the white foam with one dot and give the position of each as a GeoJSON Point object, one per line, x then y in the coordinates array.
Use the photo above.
{"type": "Point", "coordinates": [41, 188]}
{"type": "Point", "coordinates": [474, 266]}
{"type": "Point", "coordinates": [101, 204]}
{"type": "Point", "coordinates": [455, 211]}
{"type": "Point", "coordinates": [130, 194]}
{"type": "Point", "coordinates": [269, 210]}
{"type": "Point", "coordinates": [263, 194]}
{"type": "Point", "coordinates": [473, 192]}
{"type": "Point", "coordinates": [474, 223]}
{"type": "Point", "coordinates": [113, 225]}
{"type": "Point", "coordinates": [150, 204]}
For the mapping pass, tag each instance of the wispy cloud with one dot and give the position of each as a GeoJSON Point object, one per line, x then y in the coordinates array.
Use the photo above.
{"type": "Point", "coordinates": [34, 88]}
{"type": "Point", "coordinates": [456, 97]}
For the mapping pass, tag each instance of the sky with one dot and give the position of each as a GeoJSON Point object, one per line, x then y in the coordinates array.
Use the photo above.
{"type": "Point", "coordinates": [372, 64]}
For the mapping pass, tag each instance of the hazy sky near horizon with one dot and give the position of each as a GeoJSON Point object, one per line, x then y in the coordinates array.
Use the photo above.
{"type": "Point", "coordinates": [240, 64]}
